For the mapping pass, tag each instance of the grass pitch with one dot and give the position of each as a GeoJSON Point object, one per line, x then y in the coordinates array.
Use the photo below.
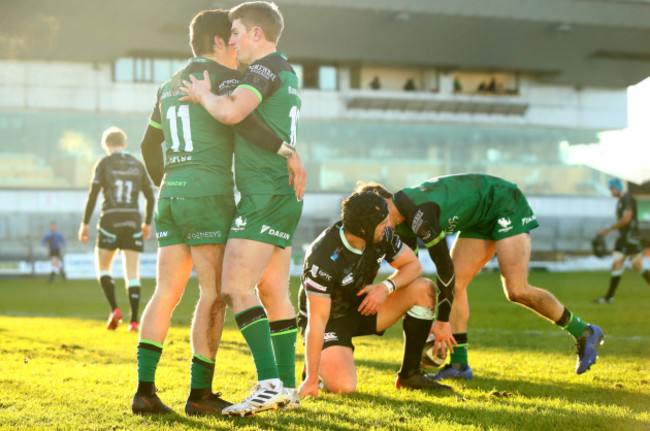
{"type": "Point", "coordinates": [61, 370]}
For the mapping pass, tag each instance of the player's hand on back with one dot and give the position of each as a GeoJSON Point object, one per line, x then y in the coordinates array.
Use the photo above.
{"type": "Point", "coordinates": [83, 233]}
{"type": "Point", "coordinates": [444, 338]}
{"type": "Point", "coordinates": [376, 295]}
{"type": "Point", "coordinates": [195, 88]}
{"type": "Point", "coordinates": [297, 175]}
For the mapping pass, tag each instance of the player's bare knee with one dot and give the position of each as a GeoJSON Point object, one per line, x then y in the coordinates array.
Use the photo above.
{"type": "Point", "coordinates": [424, 292]}
{"type": "Point", "coordinates": [341, 387]}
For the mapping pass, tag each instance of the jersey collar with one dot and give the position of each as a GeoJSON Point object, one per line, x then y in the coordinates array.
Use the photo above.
{"type": "Point", "coordinates": [347, 244]}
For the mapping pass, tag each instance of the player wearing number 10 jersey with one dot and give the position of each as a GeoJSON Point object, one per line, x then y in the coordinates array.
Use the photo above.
{"type": "Point", "coordinates": [121, 177]}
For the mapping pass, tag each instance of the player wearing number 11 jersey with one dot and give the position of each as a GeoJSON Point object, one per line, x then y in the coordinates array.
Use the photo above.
{"type": "Point", "coordinates": [121, 177]}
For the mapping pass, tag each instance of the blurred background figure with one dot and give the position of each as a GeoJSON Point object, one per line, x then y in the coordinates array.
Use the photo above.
{"type": "Point", "coordinates": [121, 178]}
{"type": "Point", "coordinates": [628, 243]}
{"type": "Point", "coordinates": [375, 84]}
{"type": "Point", "coordinates": [55, 242]}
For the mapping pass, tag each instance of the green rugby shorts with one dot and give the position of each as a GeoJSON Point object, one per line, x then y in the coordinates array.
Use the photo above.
{"type": "Point", "coordinates": [194, 221]}
{"type": "Point", "coordinates": [270, 219]}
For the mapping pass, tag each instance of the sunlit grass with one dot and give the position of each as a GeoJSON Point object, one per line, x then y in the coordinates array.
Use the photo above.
{"type": "Point", "coordinates": [60, 369]}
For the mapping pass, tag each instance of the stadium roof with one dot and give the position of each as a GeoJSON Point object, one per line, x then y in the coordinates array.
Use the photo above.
{"type": "Point", "coordinates": [577, 42]}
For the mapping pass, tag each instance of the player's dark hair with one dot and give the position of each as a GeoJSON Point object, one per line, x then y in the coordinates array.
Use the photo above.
{"type": "Point", "coordinates": [362, 212]}
{"type": "Point", "coordinates": [205, 26]}
{"type": "Point", "coordinates": [373, 187]}
{"type": "Point", "coordinates": [262, 14]}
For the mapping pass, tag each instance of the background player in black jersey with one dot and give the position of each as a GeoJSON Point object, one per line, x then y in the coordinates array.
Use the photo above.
{"type": "Point", "coordinates": [121, 178]}
{"type": "Point", "coordinates": [628, 242]}
{"type": "Point", "coordinates": [339, 299]}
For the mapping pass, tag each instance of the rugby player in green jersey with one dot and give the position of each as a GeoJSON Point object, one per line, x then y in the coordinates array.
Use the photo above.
{"type": "Point", "coordinates": [258, 252]}
{"type": "Point", "coordinates": [195, 209]}
{"type": "Point", "coordinates": [490, 215]}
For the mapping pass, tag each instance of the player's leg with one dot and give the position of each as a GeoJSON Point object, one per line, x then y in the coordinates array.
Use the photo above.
{"type": "Point", "coordinates": [469, 256]}
{"type": "Point", "coordinates": [103, 262]}
{"type": "Point", "coordinates": [637, 264]}
{"type": "Point", "coordinates": [337, 369]}
{"type": "Point", "coordinates": [207, 327]}
{"type": "Point", "coordinates": [273, 291]}
{"type": "Point", "coordinates": [513, 254]}
{"type": "Point", "coordinates": [414, 303]}
{"type": "Point", "coordinates": [244, 262]}
{"type": "Point", "coordinates": [173, 271]}
{"type": "Point", "coordinates": [618, 259]}
{"type": "Point", "coordinates": [54, 265]}
{"type": "Point", "coordinates": [131, 267]}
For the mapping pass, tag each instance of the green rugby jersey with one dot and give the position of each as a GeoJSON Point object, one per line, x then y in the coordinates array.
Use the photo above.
{"type": "Point", "coordinates": [257, 171]}
{"type": "Point", "coordinates": [457, 202]}
{"type": "Point", "coordinates": [198, 148]}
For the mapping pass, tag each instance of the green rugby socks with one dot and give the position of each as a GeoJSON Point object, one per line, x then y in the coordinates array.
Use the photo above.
{"type": "Point", "coordinates": [572, 324]}
{"type": "Point", "coordinates": [254, 326]}
{"type": "Point", "coordinates": [460, 351]}
{"type": "Point", "coordinates": [283, 336]}
{"type": "Point", "coordinates": [149, 353]}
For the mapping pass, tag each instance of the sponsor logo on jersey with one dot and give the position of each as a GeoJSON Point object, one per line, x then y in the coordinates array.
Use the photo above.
{"type": "Point", "coordinates": [270, 231]}
{"type": "Point", "coordinates": [452, 225]}
{"type": "Point", "coordinates": [138, 243]}
{"type": "Point", "coordinates": [330, 336]}
{"type": "Point", "coordinates": [263, 71]}
{"type": "Point", "coordinates": [347, 280]}
{"type": "Point", "coordinates": [178, 159]}
{"type": "Point", "coordinates": [381, 258]}
{"type": "Point", "coordinates": [240, 224]}
{"type": "Point", "coordinates": [526, 220]}
{"type": "Point", "coordinates": [505, 224]}
{"type": "Point", "coordinates": [162, 234]}
{"type": "Point", "coordinates": [227, 86]}
{"type": "Point", "coordinates": [293, 91]}
{"type": "Point", "coordinates": [202, 235]}
{"type": "Point", "coordinates": [314, 270]}
{"type": "Point", "coordinates": [417, 221]}
{"type": "Point", "coordinates": [335, 255]}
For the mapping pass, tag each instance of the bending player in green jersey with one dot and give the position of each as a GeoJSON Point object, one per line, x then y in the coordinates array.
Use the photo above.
{"type": "Point", "coordinates": [258, 252]}
{"type": "Point", "coordinates": [195, 209]}
{"type": "Point", "coordinates": [491, 215]}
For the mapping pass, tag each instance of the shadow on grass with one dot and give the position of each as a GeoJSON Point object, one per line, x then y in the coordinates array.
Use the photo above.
{"type": "Point", "coordinates": [489, 415]}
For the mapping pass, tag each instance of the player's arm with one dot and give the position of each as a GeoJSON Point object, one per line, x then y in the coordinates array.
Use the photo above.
{"type": "Point", "coordinates": [626, 219]}
{"type": "Point", "coordinates": [91, 200]}
{"type": "Point", "coordinates": [257, 133]}
{"type": "Point", "coordinates": [318, 312]}
{"type": "Point", "coordinates": [424, 222]}
{"type": "Point", "coordinates": [235, 109]}
{"type": "Point", "coordinates": [227, 109]}
{"type": "Point", "coordinates": [152, 152]}
{"type": "Point", "coordinates": [147, 191]}
{"type": "Point", "coordinates": [407, 266]}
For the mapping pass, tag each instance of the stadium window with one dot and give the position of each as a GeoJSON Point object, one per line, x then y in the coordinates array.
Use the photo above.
{"type": "Point", "coordinates": [143, 72]}
{"type": "Point", "coordinates": [327, 78]}
{"type": "Point", "coordinates": [123, 69]}
{"type": "Point", "coordinates": [309, 76]}
{"type": "Point", "coordinates": [162, 69]}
